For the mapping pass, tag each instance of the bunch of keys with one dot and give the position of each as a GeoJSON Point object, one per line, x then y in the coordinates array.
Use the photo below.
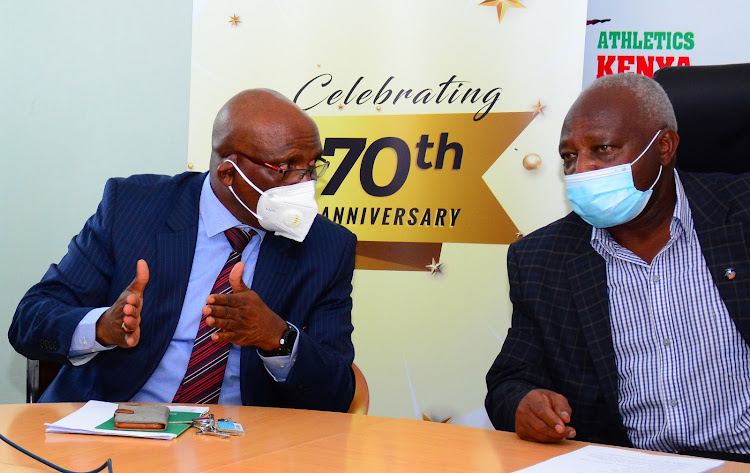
{"type": "Point", "coordinates": [222, 428]}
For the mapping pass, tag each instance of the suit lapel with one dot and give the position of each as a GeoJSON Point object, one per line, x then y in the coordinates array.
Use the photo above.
{"type": "Point", "coordinates": [590, 296]}
{"type": "Point", "coordinates": [724, 246]}
{"type": "Point", "coordinates": [272, 270]}
{"type": "Point", "coordinates": [175, 251]}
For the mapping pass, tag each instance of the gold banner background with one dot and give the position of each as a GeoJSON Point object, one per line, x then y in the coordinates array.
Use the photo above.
{"type": "Point", "coordinates": [481, 218]}
{"type": "Point", "coordinates": [423, 340]}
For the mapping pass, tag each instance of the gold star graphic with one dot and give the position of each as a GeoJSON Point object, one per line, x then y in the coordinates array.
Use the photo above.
{"type": "Point", "coordinates": [502, 5]}
{"type": "Point", "coordinates": [434, 267]}
{"type": "Point", "coordinates": [539, 108]}
{"type": "Point", "coordinates": [234, 19]}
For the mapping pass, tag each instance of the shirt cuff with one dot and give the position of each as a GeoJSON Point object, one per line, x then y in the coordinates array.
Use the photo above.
{"type": "Point", "coordinates": [83, 346]}
{"type": "Point", "coordinates": [279, 366]}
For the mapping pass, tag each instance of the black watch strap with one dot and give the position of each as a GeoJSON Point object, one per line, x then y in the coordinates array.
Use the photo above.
{"type": "Point", "coordinates": [285, 344]}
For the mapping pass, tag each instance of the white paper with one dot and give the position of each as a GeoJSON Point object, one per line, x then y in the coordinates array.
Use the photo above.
{"type": "Point", "coordinates": [595, 459]}
{"type": "Point", "coordinates": [93, 413]}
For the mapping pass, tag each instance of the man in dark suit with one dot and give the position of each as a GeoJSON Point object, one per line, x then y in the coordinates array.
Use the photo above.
{"type": "Point", "coordinates": [631, 315]}
{"type": "Point", "coordinates": [147, 291]}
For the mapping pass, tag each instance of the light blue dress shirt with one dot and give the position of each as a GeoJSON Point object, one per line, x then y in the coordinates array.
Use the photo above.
{"type": "Point", "coordinates": [211, 252]}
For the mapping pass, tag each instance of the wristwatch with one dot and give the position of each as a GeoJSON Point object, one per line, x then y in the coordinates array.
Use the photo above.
{"type": "Point", "coordinates": [285, 344]}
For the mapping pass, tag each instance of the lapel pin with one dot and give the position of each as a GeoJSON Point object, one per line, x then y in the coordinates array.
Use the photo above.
{"type": "Point", "coordinates": [729, 273]}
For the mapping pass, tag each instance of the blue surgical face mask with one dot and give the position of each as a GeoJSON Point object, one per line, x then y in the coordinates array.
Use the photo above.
{"type": "Point", "coordinates": [608, 197]}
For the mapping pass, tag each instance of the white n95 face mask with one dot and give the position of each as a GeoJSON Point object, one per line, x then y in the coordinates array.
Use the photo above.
{"type": "Point", "coordinates": [608, 197]}
{"type": "Point", "coordinates": [288, 211]}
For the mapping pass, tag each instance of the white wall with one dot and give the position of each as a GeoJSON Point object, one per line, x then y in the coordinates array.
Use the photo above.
{"type": "Point", "coordinates": [89, 89]}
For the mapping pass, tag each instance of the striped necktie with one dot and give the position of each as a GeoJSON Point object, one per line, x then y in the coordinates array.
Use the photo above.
{"type": "Point", "coordinates": [205, 371]}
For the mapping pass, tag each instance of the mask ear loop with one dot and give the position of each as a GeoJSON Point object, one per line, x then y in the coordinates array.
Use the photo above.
{"type": "Point", "coordinates": [250, 183]}
{"type": "Point", "coordinates": [644, 151]}
{"type": "Point", "coordinates": [641, 155]}
{"type": "Point", "coordinates": [657, 178]}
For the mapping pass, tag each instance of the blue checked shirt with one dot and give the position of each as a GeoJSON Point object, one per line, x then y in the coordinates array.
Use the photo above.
{"type": "Point", "coordinates": [683, 368]}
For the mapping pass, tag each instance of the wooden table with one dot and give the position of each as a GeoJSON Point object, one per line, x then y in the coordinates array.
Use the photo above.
{"type": "Point", "coordinates": [278, 440]}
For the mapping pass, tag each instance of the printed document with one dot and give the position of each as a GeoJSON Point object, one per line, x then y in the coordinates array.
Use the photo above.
{"type": "Point", "coordinates": [596, 459]}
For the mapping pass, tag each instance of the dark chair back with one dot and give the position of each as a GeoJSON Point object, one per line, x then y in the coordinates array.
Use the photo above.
{"type": "Point", "coordinates": [712, 104]}
{"type": "Point", "coordinates": [39, 375]}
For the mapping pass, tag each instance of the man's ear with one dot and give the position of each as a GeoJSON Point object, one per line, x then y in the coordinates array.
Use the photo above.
{"type": "Point", "coordinates": [225, 172]}
{"type": "Point", "coordinates": [667, 147]}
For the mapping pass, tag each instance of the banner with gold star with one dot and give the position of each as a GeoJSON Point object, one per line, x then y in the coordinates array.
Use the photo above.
{"type": "Point", "coordinates": [440, 120]}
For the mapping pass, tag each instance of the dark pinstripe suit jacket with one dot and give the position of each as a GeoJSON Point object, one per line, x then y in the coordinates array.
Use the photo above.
{"type": "Point", "coordinates": [156, 218]}
{"type": "Point", "coordinates": [560, 337]}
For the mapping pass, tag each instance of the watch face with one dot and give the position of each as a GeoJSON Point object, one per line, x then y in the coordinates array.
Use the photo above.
{"type": "Point", "coordinates": [287, 340]}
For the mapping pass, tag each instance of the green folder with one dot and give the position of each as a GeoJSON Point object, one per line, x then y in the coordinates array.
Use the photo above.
{"type": "Point", "coordinates": [174, 416]}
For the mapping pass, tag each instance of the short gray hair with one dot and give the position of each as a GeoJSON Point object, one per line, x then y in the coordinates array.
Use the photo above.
{"type": "Point", "coordinates": [652, 100]}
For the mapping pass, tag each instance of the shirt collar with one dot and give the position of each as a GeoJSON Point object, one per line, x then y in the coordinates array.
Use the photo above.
{"type": "Point", "coordinates": [682, 215]}
{"type": "Point", "coordinates": [216, 218]}
{"type": "Point", "coordinates": [681, 225]}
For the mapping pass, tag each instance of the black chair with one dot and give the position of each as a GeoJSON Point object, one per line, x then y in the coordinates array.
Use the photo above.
{"type": "Point", "coordinates": [712, 105]}
{"type": "Point", "coordinates": [39, 375]}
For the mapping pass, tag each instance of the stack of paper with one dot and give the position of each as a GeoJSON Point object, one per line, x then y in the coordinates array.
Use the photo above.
{"type": "Point", "coordinates": [95, 416]}
{"type": "Point", "coordinates": [595, 459]}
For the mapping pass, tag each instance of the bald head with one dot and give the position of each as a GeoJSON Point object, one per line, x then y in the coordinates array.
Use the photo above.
{"type": "Point", "coordinates": [261, 132]}
{"type": "Point", "coordinates": [255, 114]}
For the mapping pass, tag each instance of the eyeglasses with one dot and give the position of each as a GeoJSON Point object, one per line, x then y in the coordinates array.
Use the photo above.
{"type": "Point", "coordinates": [294, 175]}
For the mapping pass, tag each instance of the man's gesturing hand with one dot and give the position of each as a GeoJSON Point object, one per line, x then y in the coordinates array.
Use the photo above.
{"type": "Point", "coordinates": [541, 416]}
{"type": "Point", "coordinates": [121, 324]}
{"type": "Point", "coordinates": [242, 317]}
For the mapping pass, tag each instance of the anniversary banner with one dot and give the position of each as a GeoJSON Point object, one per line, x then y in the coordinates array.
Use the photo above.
{"type": "Point", "coordinates": [440, 119]}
